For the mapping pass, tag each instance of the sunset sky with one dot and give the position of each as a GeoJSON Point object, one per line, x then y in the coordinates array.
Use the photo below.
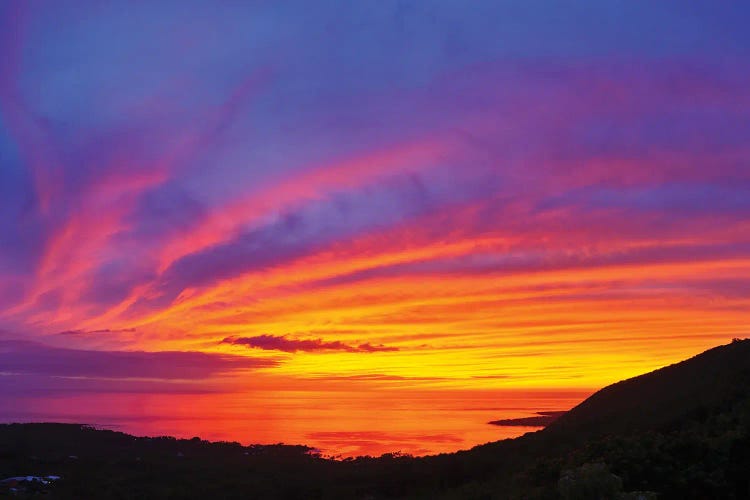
{"type": "Point", "coordinates": [368, 196]}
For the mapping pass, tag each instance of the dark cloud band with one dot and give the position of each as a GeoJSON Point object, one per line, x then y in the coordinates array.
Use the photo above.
{"type": "Point", "coordinates": [285, 344]}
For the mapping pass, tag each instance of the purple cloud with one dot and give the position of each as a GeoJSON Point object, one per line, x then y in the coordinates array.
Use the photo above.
{"type": "Point", "coordinates": [96, 332]}
{"type": "Point", "coordinates": [36, 359]}
{"type": "Point", "coordinates": [285, 344]}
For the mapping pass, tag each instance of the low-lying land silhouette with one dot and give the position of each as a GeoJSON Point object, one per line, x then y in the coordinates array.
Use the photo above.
{"type": "Point", "coordinates": [542, 419]}
{"type": "Point", "coordinates": [678, 432]}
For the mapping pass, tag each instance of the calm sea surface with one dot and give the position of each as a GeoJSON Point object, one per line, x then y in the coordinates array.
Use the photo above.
{"type": "Point", "coordinates": [337, 423]}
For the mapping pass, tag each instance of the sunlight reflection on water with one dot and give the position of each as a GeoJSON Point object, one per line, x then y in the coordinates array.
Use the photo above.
{"type": "Point", "coordinates": [336, 423]}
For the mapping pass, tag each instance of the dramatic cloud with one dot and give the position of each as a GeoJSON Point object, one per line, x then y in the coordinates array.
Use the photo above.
{"type": "Point", "coordinates": [33, 358]}
{"type": "Point", "coordinates": [286, 344]}
{"type": "Point", "coordinates": [97, 332]}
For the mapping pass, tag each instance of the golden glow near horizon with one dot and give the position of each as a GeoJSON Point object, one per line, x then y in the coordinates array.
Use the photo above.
{"type": "Point", "coordinates": [566, 327]}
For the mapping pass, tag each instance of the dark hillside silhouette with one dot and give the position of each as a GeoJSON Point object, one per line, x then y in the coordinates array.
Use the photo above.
{"type": "Point", "coordinates": [656, 400]}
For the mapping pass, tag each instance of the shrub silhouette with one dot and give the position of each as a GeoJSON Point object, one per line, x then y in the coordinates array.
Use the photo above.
{"type": "Point", "coordinates": [589, 482]}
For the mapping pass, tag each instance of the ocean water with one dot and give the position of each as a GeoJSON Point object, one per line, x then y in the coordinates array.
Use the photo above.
{"type": "Point", "coordinates": [337, 423]}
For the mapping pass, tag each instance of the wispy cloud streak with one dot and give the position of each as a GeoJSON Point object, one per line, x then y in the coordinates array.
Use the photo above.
{"type": "Point", "coordinates": [285, 344]}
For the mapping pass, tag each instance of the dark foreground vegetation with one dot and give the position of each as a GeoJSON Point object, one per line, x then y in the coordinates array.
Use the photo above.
{"type": "Point", "coordinates": [677, 433]}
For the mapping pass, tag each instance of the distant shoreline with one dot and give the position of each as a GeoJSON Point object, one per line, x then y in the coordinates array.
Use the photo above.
{"type": "Point", "coordinates": [541, 419]}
